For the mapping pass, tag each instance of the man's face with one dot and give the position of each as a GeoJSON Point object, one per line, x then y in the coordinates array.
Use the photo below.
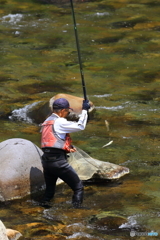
{"type": "Point", "coordinates": [65, 112]}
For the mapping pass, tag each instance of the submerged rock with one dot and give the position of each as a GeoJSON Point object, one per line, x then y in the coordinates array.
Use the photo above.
{"type": "Point", "coordinates": [21, 170]}
{"type": "Point", "coordinates": [106, 221]}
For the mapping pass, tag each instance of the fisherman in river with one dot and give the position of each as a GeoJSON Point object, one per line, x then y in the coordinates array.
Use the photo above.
{"type": "Point", "coordinates": [55, 144]}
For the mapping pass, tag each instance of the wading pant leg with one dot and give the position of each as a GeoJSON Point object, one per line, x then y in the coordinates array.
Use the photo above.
{"type": "Point", "coordinates": [69, 176]}
{"type": "Point", "coordinates": [50, 180]}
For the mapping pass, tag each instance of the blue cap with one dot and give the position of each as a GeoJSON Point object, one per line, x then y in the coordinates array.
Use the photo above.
{"type": "Point", "coordinates": [61, 103]}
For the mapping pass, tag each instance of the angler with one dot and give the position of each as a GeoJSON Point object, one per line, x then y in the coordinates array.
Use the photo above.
{"type": "Point", "coordinates": [54, 159]}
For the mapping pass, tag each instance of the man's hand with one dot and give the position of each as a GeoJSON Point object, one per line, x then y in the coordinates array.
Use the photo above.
{"type": "Point", "coordinates": [73, 149]}
{"type": "Point", "coordinates": [86, 105]}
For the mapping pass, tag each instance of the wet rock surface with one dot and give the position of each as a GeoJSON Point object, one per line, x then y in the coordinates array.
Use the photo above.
{"type": "Point", "coordinates": [21, 169]}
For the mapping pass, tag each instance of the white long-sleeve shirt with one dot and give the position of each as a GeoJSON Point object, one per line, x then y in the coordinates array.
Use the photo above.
{"type": "Point", "coordinates": [63, 126]}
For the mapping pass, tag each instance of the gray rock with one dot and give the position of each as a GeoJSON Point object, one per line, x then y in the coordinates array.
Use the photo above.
{"type": "Point", "coordinates": [37, 112]}
{"type": "Point", "coordinates": [21, 170]}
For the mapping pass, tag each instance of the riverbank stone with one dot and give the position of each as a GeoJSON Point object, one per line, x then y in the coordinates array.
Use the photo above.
{"type": "Point", "coordinates": [8, 234]}
{"type": "Point", "coordinates": [3, 235]}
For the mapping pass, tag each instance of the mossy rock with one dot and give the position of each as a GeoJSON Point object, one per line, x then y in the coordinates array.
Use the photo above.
{"type": "Point", "coordinates": [108, 219]}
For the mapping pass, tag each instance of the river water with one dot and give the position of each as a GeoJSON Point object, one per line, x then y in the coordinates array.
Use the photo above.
{"type": "Point", "coordinates": [120, 48]}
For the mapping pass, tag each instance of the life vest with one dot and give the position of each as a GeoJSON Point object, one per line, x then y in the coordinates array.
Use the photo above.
{"type": "Point", "coordinates": [51, 139]}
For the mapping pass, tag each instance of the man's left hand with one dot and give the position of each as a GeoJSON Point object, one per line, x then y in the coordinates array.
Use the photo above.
{"type": "Point", "coordinates": [73, 149]}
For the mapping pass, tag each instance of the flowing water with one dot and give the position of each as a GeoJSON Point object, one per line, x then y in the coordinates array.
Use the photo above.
{"type": "Point", "coordinates": [120, 48]}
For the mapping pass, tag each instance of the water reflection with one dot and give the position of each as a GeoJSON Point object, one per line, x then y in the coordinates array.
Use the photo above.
{"type": "Point", "coordinates": [120, 53]}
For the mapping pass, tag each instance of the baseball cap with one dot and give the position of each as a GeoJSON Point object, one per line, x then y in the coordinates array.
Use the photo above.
{"type": "Point", "coordinates": [61, 103]}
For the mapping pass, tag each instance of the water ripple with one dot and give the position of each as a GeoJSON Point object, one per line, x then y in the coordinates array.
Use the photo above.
{"type": "Point", "coordinates": [104, 95]}
{"type": "Point", "coordinates": [110, 108]}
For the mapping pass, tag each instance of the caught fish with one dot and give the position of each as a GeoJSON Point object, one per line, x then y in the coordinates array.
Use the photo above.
{"type": "Point", "coordinates": [108, 144]}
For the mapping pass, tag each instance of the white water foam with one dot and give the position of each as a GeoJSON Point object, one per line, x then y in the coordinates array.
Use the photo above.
{"type": "Point", "coordinates": [130, 223]}
{"type": "Point", "coordinates": [82, 234]}
{"type": "Point", "coordinates": [111, 108]}
{"type": "Point", "coordinates": [21, 113]}
{"type": "Point", "coordinates": [18, 20]}
{"type": "Point", "coordinates": [101, 14]}
{"type": "Point", "coordinates": [104, 95]}
{"type": "Point", "coordinates": [12, 18]}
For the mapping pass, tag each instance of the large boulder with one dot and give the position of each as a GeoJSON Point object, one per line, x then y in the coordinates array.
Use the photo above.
{"type": "Point", "coordinates": [21, 170]}
{"type": "Point", "coordinates": [75, 104]}
{"type": "Point", "coordinates": [37, 112]}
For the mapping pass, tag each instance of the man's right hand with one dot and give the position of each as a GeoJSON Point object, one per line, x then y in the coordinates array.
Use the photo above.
{"type": "Point", "coordinates": [86, 105]}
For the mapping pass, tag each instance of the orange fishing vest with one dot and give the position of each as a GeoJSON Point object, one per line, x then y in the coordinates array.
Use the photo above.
{"type": "Point", "coordinates": [51, 139]}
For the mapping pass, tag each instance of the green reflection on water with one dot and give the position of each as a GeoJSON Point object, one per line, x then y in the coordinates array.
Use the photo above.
{"type": "Point", "coordinates": [120, 54]}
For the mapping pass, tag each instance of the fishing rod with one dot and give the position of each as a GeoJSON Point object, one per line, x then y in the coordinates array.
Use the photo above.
{"type": "Point", "coordinates": [78, 51]}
